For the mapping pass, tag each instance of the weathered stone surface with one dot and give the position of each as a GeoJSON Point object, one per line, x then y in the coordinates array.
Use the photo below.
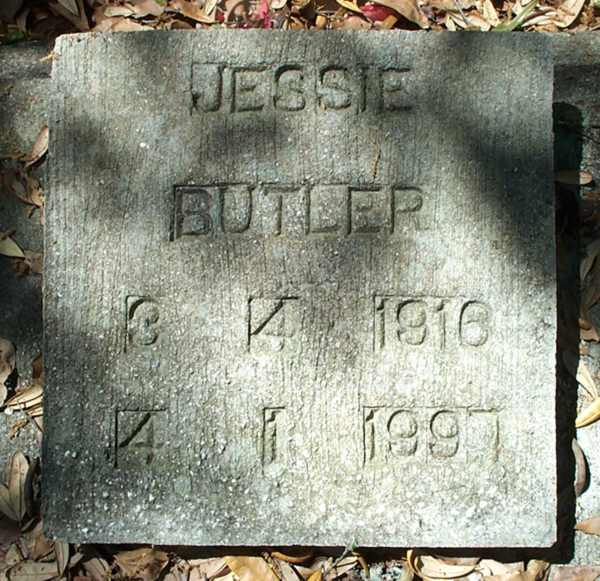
{"type": "Point", "coordinates": [300, 289]}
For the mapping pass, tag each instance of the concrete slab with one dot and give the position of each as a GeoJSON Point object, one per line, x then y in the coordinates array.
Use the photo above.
{"type": "Point", "coordinates": [299, 290]}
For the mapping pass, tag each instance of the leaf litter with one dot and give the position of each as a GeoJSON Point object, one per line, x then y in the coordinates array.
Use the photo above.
{"type": "Point", "coordinates": [54, 17]}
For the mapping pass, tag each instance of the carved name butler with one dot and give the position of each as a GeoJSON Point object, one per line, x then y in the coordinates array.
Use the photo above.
{"type": "Point", "coordinates": [300, 290]}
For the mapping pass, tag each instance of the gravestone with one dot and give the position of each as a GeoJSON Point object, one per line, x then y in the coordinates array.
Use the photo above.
{"type": "Point", "coordinates": [300, 289]}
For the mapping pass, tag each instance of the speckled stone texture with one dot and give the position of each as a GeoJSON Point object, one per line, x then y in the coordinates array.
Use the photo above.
{"type": "Point", "coordinates": [300, 289]}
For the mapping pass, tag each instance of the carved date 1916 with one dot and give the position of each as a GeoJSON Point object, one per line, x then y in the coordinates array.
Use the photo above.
{"type": "Point", "coordinates": [434, 322]}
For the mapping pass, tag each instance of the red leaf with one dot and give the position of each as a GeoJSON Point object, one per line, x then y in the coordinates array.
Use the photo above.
{"type": "Point", "coordinates": [377, 12]}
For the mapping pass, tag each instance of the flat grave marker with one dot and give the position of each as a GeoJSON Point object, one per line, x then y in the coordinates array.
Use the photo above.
{"type": "Point", "coordinates": [300, 289]}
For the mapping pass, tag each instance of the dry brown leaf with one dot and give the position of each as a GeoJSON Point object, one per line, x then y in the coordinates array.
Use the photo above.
{"type": "Point", "coordinates": [567, 13]}
{"type": "Point", "coordinates": [576, 366]}
{"type": "Point", "coordinates": [537, 570]}
{"type": "Point", "coordinates": [580, 468]}
{"type": "Point", "coordinates": [61, 549]}
{"type": "Point", "coordinates": [592, 250]}
{"type": "Point", "coordinates": [208, 567]}
{"type": "Point", "coordinates": [145, 8]}
{"type": "Point", "coordinates": [489, 12]}
{"type": "Point", "coordinates": [491, 568]}
{"type": "Point", "coordinates": [588, 332]}
{"type": "Point", "coordinates": [577, 573]}
{"type": "Point", "coordinates": [8, 361]}
{"type": "Point", "coordinates": [286, 572]}
{"type": "Point", "coordinates": [191, 10]}
{"type": "Point", "coordinates": [407, 8]}
{"type": "Point", "coordinates": [32, 571]}
{"type": "Point", "coordinates": [40, 147]}
{"type": "Point", "coordinates": [145, 563]}
{"type": "Point", "coordinates": [573, 177]}
{"type": "Point", "coordinates": [112, 11]}
{"type": "Point", "coordinates": [70, 5]}
{"type": "Point", "coordinates": [38, 544]}
{"type": "Point", "coordinates": [8, 247]}
{"type": "Point", "coordinates": [13, 555]}
{"type": "Point", "coordinates": [588, 415]}
{"type": "Point", "coordinates": [350, 5]}
{"type": "Point", "coordinates": [97, 568]}
{"type": "Point", "coordinates": [341, 567]}
{"type": "Point", "coordinates": [27, 398]}
{"type": "Point", "coordinates": [12, 495]}
{"type": "Point", "coordinates": [251, 568]}
{"type": "Point", "coordinates": [127, 25]}
{"type": "Point", "coordinates": [78, 20]}
{"type": "Point", "coordinates": [210, 5]}
{"type": "Point", "coordinates": [434, 568]}
{"type": "Point", "coordinates": [37, 369]}
{"type": "Point", "coordinates": [590, 526]}
{"type": "Point", "coordinates": [17, 477]}
{"type": "Point", "coordinates": [299, 558]}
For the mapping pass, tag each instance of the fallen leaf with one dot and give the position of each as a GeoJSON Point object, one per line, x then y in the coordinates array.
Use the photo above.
{"type": "Point", "coordinates": [12, 495]}
{"type": "Point", "coordinates": [70, 5]}
{"type": "Point", "coordinates": [251, 568]}
{"type": "Point", "coordinates": [590, 526]}
{"type": "Point", "coordinates": [407, 8]}
{"type": "Point", "coordinates": [300, 558]}
{"type": "Point", "coordinates": [435, 568]}
{"type": "Point", "coordinates": [37, 369]}
{"type": "Point", "coordinates": [8, 362]}
{"type": "Point", "coordinates": [589, 414]}
{"type": "Point", "coordinates": [97, 568]}
{"type": "Point", "coordinates": [144, 8]}
{"type": "Point", "coordinates": [580, 468]}
{"type": "Point", "coordinates": [210, 5]}
{"type": "Point", "coordinates": [341, 567]}
{"type": "Point", "coordinates": [32, 571]}
{"type": "Point", "coordinates": [39, 546]}
{"type": "Point", "coordinates": [26, 398]}
{"type": "Point", "coordinates": [592, 250]}
{"type": "Point", "coordinates": [579, 370]}
{"type": "Point", "coordinates": [491, 568]}
{"type": "Point", "coordinates": [191, 10]}
{"type": "Point", "coordinates": [39, 149]}
{"type": "Point", "coordinates": [113, 11]}
{"type": "Point", "coordinates": [536, 570]}
{"type": "Point", "coordinates": [573, 177]}
{"type": "Point", "coordinates": [17, 476]}
{"type": "Point", "coordinates": [490, 13]}
{"type": "Point", "coordinates": [208, 568]}
{"type": "Point", "coordinates": [61, 549]}
{"type": "Point", "coordinates": [127, 25]}
{"type": "Point", "coordinates": [567, 13]}
{"type": "Point", "coordinates": [8, 247]}
{"type": "Point", "coordinates": [145, 563]}
{"type": "Point", "coordinates": [576, 573]}
{"type": "Point", "coordinates": [376, 12]}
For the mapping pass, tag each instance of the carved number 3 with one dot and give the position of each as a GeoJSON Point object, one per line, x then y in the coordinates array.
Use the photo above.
{"type": "Point", "coordinates": [143, 319]}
